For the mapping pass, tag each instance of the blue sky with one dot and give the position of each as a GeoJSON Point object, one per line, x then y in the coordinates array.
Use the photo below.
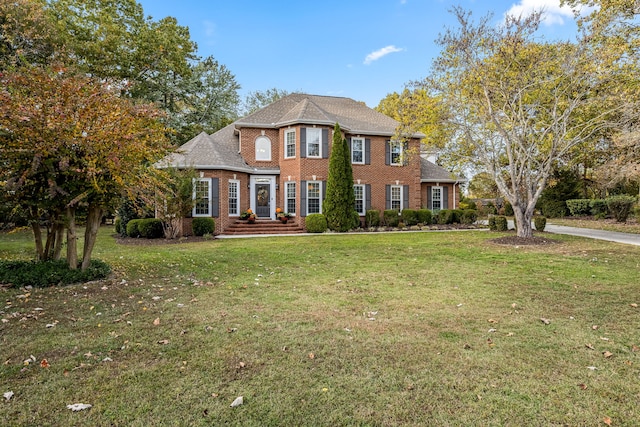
{"type": "Point", "coordinates": [360, 49]}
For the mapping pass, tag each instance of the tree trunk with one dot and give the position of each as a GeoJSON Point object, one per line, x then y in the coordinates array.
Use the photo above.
{"type": "Point", "coordinates": [91, 232]}
{"type": "Point", "coordinates": [72, 239]}
{"type": "Point", "coordinates": [57, 248]}
{"type": "Point", "coordinates": [523, 222]}
{"type": "Point", "coordinates": [37, 235]}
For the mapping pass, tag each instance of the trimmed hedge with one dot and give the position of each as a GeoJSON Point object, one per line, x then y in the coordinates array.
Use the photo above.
{"type": "Point", "coordinates": [372, 218]}
{"type": "Point", "coordinates": [409, 217]}
{"type": "Point", "coordinates": [49, 273]}
{"type": "Point", "coordinates": [202, 226]}
{"type": "Point", "coordinates": [554, 209]}
{"type": "Point", "coordinates": [316, 223]}
{"type": "Point", "coordinates": [620, 206]}
{"type": "Point", "coordinates": [118, 225]}
{"type": "Point", "coordinates": [501, 223]}
{"type": "Point", "coordinates": [468, 217]}
{"type": "Point", "coordinates": [598, 207]}
{"type": "Point", "coordinates": [150, 228]}
{"type": "Point", "coordinates": [132, 228]}
{"type": "Point", "coordinates": [425, 216]}
{"type": "Point", "coordinates": [579, 207]}
{"type": "Point", "coordinates": [391, 218]}
{"type": "Point", "coordinates": [540, 223]}
{"type": "Point", "coordinates": [446, 216]}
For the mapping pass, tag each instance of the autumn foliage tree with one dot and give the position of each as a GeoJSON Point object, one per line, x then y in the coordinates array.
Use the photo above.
{"type": "Point", "coordinates": [69, 141]}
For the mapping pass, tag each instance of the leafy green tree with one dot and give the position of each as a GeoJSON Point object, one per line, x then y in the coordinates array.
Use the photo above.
{"type": "Point", "coordinates": [518, 105]}
{"type": "Point", "coordinates": [339, 205]}
{"type": "Point", "coordinates": [70, 141]}
{"type": "Point", "coordinates": [258, 99]}
{"type": "Point", "coordinates": [174, 199]}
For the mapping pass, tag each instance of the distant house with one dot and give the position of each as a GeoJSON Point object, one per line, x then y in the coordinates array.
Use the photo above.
{"type": "Point", "coordinates": [278, 157]}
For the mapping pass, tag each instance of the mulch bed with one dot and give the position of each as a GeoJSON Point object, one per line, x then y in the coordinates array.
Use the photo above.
{"type": "Point", "coordinates": [148, 242]}
{"type": "Point", "coordinates": [523, 241]}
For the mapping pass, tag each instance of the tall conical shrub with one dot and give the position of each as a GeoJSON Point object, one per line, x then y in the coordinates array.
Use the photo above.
{"type": "Point", "coordinates": [339, 204]}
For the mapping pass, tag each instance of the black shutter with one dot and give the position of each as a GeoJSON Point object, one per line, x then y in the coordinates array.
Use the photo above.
{"type": "Point", "coordinates": [405, 153]}
{"type": "Point", "coordinates": [429, 204]}
{"type": "Point", "coordinates": [325, 143]}
{"type": "Point", "coordinates": [387, 152]}
{"type": "Point", "coordinates": [387, 197]}
{"type": "Point", "coordinates": [303, 198]}
{"type": "Point", "coordinates": [367, 197]}
{"type": "Point", "coordinates": [445, 197]}
{"type": "Point", "coordinates": [367, 151]}
{"type": "Point", "coordinates": [405, 197]}
{"type": "Point", "coordinates": [303, 143]}
{"type": "Point", "coordinates": [215, 197]}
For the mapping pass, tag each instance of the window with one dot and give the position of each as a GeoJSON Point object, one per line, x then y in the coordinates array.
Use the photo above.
{"type": "Point", "coordinates": [357, 150]}
{"type": "Point", "coordinates": [263, 149]}
{"type": "Point", "coordinates": [290, 197]}
{"type": "Point", "coordinates": [314, 192]}
{"type": "Point", "coordinates": [436, 198]}
{"type": "Point", "coordinates": [202, 196]}
{"type": "Point", "coordinates": [359, 193]}
{"type": "Point", "coordinates": [234, 197]}
{"type": "Point", "coordinates": [289, 144]}
{"type": "Point", "coordinates": [396, 153]}
{"type": "Point", "coordinates": [314, 139]}
{"type": "Point", "coordinates": [396, 197]}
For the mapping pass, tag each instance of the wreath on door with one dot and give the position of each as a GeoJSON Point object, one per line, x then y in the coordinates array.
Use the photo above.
{"type": "Point", "coordinates": [262, 197]}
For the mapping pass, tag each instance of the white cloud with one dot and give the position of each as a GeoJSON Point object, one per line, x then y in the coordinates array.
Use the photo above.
{"type": "Point", "coordinates": [209, 29]}
{"type": "Point", "coordinates": [374, 56]}
{"type": "Point", "coordinates": [553, 13]}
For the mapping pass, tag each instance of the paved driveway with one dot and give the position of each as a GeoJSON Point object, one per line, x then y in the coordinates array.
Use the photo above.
{"type": "Point", "coordinates": [612, 236]}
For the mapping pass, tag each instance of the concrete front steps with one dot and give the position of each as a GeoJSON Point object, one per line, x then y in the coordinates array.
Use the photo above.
{"type": "Point", "coordinates": [263, 226]}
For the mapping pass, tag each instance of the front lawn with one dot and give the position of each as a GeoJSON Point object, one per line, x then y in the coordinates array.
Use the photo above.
{"type": "Point", "coordinates": [388, 329]}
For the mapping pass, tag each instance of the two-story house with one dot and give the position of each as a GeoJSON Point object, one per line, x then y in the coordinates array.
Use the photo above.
{"type": "Point", "coordinates": [278, 157]}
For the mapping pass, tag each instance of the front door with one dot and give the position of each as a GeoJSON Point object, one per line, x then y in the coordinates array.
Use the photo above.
{"type": "Point", "coordinates": [263, 196]}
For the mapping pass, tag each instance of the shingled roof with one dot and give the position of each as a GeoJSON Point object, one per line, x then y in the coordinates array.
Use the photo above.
{"type": "Point", "coordinates": [352, 116]}
{"type": "Point", "coordinates": [430, 172]}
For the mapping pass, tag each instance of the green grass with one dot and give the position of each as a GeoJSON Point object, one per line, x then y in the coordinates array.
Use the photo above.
{"type": "Point", "coordinates": [363, 330]}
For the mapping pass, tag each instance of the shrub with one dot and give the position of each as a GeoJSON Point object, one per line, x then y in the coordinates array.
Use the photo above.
{"type": "Point", "coordinates": [598, 207]}
{"type": "Point", "coordinates": [501, 223]}
{"type": "Point", "coordinates": [540, 222]}
{"type": "Point", "coordinates": [469, 216]}
{"type": "Point", "coordinates": [446, 216]}
{"type": "Point", "coordinates": [150, 228]}
{"type": "Point", "coordinates": [316, 223]}
{"type": "Point", "coordinates": [508, 209]}
{"type": "Point", "coordinates": [372, 218]}
{"type": "Point", "coordinates": [579, 207]}
{"type": "Point", "coordinates": [118, 225]}
{"type": "Point", "coordinates": [492, 223]}
{"type": "Point", "coordinates": [409, 217]}
{"type": "Point", "coordinates": [424, 216]}
{"type": "Point", "coordinates": [554, 209]}
{"type": "Point", "coordinates": [357, 223]}
{"type": "Point", "coordinates": [391, 217]}
{"type": "Point", "coordinates": [49, 273]}
{"type": "Point", "coordinates": [202, 226]}
{"type": "Point", "coordinates": [620, 206]}
{"type": "Point", "coordinates": [132, 228]}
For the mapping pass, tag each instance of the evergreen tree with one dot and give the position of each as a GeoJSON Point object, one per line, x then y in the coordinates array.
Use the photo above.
{"type": "Point", "coordinates": [339, 204]}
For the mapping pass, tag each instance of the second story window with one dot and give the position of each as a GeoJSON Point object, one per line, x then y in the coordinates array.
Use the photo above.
{"type": "Point", "coordinates": [263, 149]}
{"type": "Point", "coordinates": [357, 150]}
{"type": "Point", "coordinates": [396, 153]}
{"type": "Point", "coordinates": [290, 144]}
{"type": "Point", "coordinates": [314, 141]}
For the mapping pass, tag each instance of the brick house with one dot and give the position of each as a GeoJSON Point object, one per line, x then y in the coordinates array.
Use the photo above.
{"type": "Point", "coordinates": [278, 156]}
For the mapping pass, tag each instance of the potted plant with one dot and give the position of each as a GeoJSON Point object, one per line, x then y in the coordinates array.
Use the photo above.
{"type": "Point", "coordinates": [283, 216]}
{"type": "Point", "coordinates": [249, 216]}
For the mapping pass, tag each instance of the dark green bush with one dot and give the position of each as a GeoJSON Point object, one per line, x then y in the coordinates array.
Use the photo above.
{"type": "Point", "coordinates": [446, 216]}
{"type": "Point", "coordinates": [508, 209]}
{"type": "Point", "coordinates": [316, 223]}
{"type": "Point", "coordinates": [132, 228]}
{"type": "Point", "coordinates": [372, 218]}
{"type": "Point", "coordinates": [118, 225]}
{"type": "Point", "coordinates": [554, 209]}
{"type": "Point", "coordinates": [357, 223]}
{"type": "Point", "coordinates": [150, 228]}
{"type": "Point", "coordinates": [579, 207]}
{"type": "Point", "coordinates": [469, 216]}
{"type": "Point", "coordinates": [424, 216]}
{"type": "Point", "coordinates": [598, 207]}
{"type": "Point", "coordinates": [492, 223]}
{"type": "Point", "coordinates": [620, 206]}
{"type": "Point", "coordinates": [391, 218]}
{"type": "Point", "coordinates": [501, 223]}
{"type": "Point", "coordinates": [540, 223]}
{"type": "Point", "coordinates": [202, 226]}
{"type": "Point", "coordinates": [49, 273]}
{"type": "Point", "coordinates": [409, 217]}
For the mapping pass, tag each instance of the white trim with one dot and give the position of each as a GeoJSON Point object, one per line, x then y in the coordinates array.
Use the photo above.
{"type": "Point", "coordinates": [263, 143]}
{"type": "Point", "coordinates": [392, 145]}
{"type": "Point", "coordinates": [209, 204]}
{"type": "Point", "coordinates": [319, 196]}
{"type": "Point", "coordinates": [253, 180]}
{"type": "Point", "coordinates": [440, 189]}
{"type": "Point", "coordinates": [287, 184]}
{"type": "Point", "coordinates": [391, 199]}
{"type": "Point", "coordinates": [362, 149]}
{"type": "Point", "coordinates": [364, 198]}
{"type": "Point", "coordinates": [319, 131]}
{"type": "Point", "coordinates": [237, 183]}
{"type": "Point", "coordinates": [286, 134]}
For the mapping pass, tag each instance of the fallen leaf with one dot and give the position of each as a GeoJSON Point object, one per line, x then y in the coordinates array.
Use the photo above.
{"type": "Point", "coordinates": [582, 386]}
{"type": "Point", "coordinates": [607, 421]}
{"type": "Point", "coordinates": [8, 395]}
{"type": "Point", "coordinates": [545, 321]}
{"type": "Point", "coordinates": [241, 365]}
{"type": "Point", "coordinates": [595, 327]}
{"type": "Point", "coordinates": [312, 356]}
{"type": "Point", "coordinates": [607, 354]}
{"type": "Point", "coordinates": [237, 402]}
{"type": "Point", "coordinates": [590, 346]}
{"type": "Point", "coordinates": [467, 347]}
{"type": "Point", "coordinates": [156, 322]}
{"type": "Point", "coordinates": [44, 363]}
{"type": "Point", "coordinates": [492, 321]}
{"type": "Point", "coordinates": [635, 348]}
{"type": "Point", "coordinates": [79, 406]}
{"type": "Point", "coordinates": [593, 368]}
{"type": "Point", "coordinates": [163, 342]}
{"type": "Point", "coordinates": [634, 305]}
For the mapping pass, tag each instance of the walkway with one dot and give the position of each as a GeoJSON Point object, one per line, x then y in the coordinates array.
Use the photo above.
{"type": "Point", "coordinates": [612, 236]}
